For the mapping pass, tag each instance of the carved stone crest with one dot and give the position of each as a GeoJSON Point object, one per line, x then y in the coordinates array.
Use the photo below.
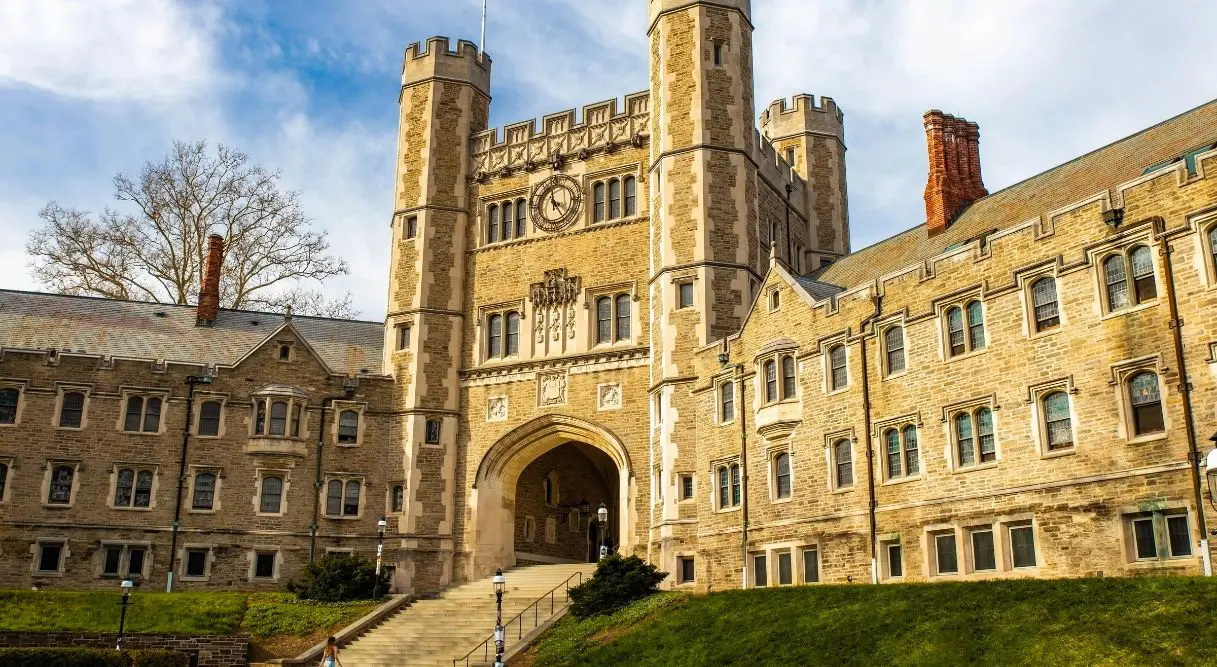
{"type": "Point", "coordinates": [557, 289]}
{"type": "Point", "coordinates": [609, 396]}
{"type": "Point", "coordinates": [496, 409]}
{"type": "Point", "coordinates": [551, 389]}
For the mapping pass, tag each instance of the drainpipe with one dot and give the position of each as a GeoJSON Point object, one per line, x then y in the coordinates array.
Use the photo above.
{"type": "Point", "coordinates": [872, 504]}
{"type": "Point", "coordinates": [743, 468]}
{"type": "Point", "coordinates": [348, 388]}
{"type": "Point", "coordinates": [1185, 389]}
{"type": "Point", "coordinates": [191, 381]}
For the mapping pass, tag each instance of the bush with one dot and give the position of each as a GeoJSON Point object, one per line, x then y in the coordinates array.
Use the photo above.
{"type": "Point", "coordinates": [337, 578]}
{"type": "Point", "coordinates": [90, 657]}
{"type": "Point", "coordinates": [617, 582]}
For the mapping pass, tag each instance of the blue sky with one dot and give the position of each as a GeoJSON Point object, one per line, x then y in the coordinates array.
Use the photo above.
{"type": "Point", "coordinates": [92, 88]}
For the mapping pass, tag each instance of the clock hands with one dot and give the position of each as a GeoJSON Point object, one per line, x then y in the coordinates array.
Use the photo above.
{"type": "Point", "coordinates": [553, 201]}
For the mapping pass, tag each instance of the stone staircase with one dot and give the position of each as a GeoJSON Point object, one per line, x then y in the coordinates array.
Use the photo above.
{"type": "Point", "coordinates": [435, 632]}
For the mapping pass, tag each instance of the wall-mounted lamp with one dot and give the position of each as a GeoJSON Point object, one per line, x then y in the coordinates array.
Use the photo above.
{"type": "Point", "coordinates": [1112, 217]}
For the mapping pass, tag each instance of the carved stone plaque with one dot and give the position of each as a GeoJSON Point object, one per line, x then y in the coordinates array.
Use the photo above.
{"type": "Point", "coordinates": [551, 389]}
{"type": "Point", "coordinates": [496, 409]}
{"type": "Point", "coordinates": [609, 396]}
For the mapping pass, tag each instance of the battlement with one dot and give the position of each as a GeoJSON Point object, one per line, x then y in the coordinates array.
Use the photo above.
{"type": "Point", "coordinates": [774, 168]}
{"type": "Point", "coordinates": [803, 115]}
{"type": "Point", "coordinates": [657, 7]}
{"type": "Point", "coordinates": [436, 60]}
{"type": "Point", "coordinates": [603, 125]}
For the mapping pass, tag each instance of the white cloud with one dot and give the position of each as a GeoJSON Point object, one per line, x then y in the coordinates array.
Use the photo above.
{"type": "Point", "coordinates": [140, 50]}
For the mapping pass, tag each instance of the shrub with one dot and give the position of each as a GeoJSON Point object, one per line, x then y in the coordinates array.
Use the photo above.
{"type": "Point", "coordinates": [617, 582]}
{"type": "Point", "coordinates": [69, 656]}
{"type": "Point", "coordinates": [339, 577]}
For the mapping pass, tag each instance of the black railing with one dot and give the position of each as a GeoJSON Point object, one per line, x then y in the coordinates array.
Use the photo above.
{"type": "Point", "coordinates": [519, 620]}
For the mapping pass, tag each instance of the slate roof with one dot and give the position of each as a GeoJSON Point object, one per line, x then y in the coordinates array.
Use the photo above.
{"type": "Point", "coordinates": [817, 289]}
{"type": "Point", "coordinates": [1121, 161]}
{"type": "Point", "coordinates": [140, 330]}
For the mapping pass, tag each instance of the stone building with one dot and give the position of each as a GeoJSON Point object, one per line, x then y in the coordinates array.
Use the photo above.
{"type": "Point", "coordinates": [653, 305]}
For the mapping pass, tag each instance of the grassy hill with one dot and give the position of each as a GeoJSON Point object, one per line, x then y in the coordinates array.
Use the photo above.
{"type": "Point", "coordinates": [1127, 621]}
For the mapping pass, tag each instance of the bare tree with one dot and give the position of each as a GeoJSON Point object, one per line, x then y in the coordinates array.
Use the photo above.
{"type": "Point", "coordinates": [157, 252]}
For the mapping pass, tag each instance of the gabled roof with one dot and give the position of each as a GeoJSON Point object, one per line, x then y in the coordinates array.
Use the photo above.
{"type": "Point", "coordinates": [1077, 179]}
{"type": "Point", "coordinates": [140, 330]}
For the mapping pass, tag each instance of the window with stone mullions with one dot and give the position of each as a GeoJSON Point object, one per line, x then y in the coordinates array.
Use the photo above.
{"type": "Point", "coordinates": [973, 430]}
{"type": "Point", "coordinates": [902, 453]}
{"type": "Point", "coordinates": [613, 319]}
{"type": "Point", "coordinates": [983, 556]}
{"type": "Point", "coordinates": [1044, 304]}
{"type": "Point", "coordinates": [143, 415]}
{"type": "Point", "coordinates": [133, 489]}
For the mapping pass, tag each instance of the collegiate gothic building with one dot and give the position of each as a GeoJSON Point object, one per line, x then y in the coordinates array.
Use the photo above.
{"type": "Point", "coordinates": [653, 305]}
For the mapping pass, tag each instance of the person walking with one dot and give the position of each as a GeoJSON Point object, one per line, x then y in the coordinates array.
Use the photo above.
{"type": "Point", "coordinates": [329, 655]}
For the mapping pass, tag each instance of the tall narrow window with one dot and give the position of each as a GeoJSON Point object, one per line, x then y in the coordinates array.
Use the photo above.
{"type": "Point", "coordinates": [350, 505]}
{"type": "Point", "coordinates": [604, 320]}
{"type": "Point", "coordinates": [297, 414]}
{"type": "Point", "coordinates": [983, 556]}
{"type": "Point", "coordinates": [348, 427]}
{"type": "Point", "coordinates": [60, 492]}
{"type": "Point", "coordinates": [143, 489]}
{"type": "Point", "coordinates": [598, 202]}
{"type": "Point", "coordinates": [895, 560]}
{"type": "Point", "coordinates": [684, 295]}
{"type": "Point", "coordinates": [955, 337]}
{"type": "Point", "coordinates": [771, 381]}
{"type": "Point", "coordinates": [623, 317]}
{"type": "Point", "coordinates": [519, 218]}
{"type": "Point", "coordinates": [278, 418]}
{"type": "Point", "coordinates": [976, 326]}
{"type": "Point", "coordinates": [718, 53]}
{"type": "Point", "coordinates": [209, 418]}
{"type": "Point", "coordinates": [333, 498]}
{"type": "Point", "coordinates": [507, 218]}
{"type": "Point", "coordinates": [494, 347]}
{"type": "Point", "coordinates": [893, 342]}
{"type": "Point", "coordinates": [411, 227]}
{"type": "Point", "coordinates": [840, 375]}
{"type": "Point", "coordinates": [811, 566]}
{"type": "Point", "coordinates": [944, 551]}
{"type": "Point", "coordinates": [614, 211]}
{"type": "Point", "coordinates": [1144, 287]}
{"type": "Point", "coordinates": [3, 479]}
{"type": "Point", "coordinates": [492, 223]}
{"type": "Point", "coordinates": [8, 405]}
{"type": "Point", "coordinates": [432, 434]}
{"type": "Point", "coordinates": [204, 491]}
{"type": "Point", "coordinates": [724, 497]}
{"type": "Point", "coordinates": [726, 392]}
{"type": "Point", "coordinates": [843, 457]}
{"type": "Point", "coordinates": [1146, 403]}
{"type": "Point", "coordinates": [788, 379]}
{"type": "Point", "coordinates": [272, 495]}
{"type": "Point", "coordinates": [124, 484]}
{"type": "Point", "coordinates": [1043, 302]}
{"type": "Point", "coordinates": [1213, 246]}
{"type": "Point", "coordinates": [513, 334]}
{"type": "Point", "coordinates": [964, 440]}
{"type": "Point", "coordinates": [984, 435]}
{"type": "Point", "coordinates": [135, 413]}
{"type": "Point", "coordinates": [735, 485]}
{"type": "Point", "coordinates": [71, 410]}
{"type": "Point", "coordinates": [631, 208]}
{"type": "Point", "coordinates": [1022, 546]}
{"type": "Point", "coordinates": [1056, 421]}
{"type": "Point", "coordinates": [760, 567]}
{"type": "Point", "coordinates": [1116, 279]}
{"type": "Point", "coordinates": [912, 456]}
{"type": "Point", "coordinates": [895, 457]}
{"type": "Point", "coordinates": [399, 498]}
{"type": "Point", "coordinates": [260, 418]}
{"type": "Point", "coordinates": [1179, 537]}
{"type": "Point", "coordinates": [781, 464]}
{"type": "Point", "coordinates": [1143, 535]}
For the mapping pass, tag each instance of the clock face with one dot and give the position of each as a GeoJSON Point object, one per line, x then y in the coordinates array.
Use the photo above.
{"type": "Point", "coordinates": [555, 203]}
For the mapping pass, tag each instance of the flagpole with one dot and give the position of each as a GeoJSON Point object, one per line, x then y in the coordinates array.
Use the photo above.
{"type": "Point", "coordinates": [482, 43]}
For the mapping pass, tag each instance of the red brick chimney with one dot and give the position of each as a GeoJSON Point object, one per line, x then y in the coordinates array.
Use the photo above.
{"type": "Point", "coordinates": [954, 179]}
{"type": "Point", "coordinates": [209, 292]}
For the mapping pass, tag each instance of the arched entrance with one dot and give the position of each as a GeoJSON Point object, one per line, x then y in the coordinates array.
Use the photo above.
{"type": "Point", "coordinates": [537, 490]}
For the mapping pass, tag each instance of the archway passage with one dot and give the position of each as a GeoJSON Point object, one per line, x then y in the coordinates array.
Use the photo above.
{"type": "Point", "coordinates": [556, 500]}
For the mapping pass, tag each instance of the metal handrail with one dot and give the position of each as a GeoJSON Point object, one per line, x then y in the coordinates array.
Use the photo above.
{"type": "Point", "coordinates": [535, 606]}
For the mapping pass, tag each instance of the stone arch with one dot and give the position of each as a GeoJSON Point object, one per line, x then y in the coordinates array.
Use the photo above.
{"type": "Point", "coordinates": [494, 485]}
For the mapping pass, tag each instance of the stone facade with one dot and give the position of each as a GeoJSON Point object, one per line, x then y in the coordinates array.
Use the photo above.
{"type": "Point", "coordinates": [569, 301]}
{"type": "Point", "coordinates": [206, 650]}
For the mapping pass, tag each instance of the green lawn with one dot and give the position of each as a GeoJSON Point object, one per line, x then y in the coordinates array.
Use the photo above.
{"type": "Point", "coordinates": [1126, 621]}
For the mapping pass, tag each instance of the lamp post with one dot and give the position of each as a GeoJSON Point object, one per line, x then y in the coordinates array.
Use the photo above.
{"type": "Point", "coordinates": [500, 583]}
{"type": "Point", "coordinates": [191, 382]}
{"type": "Point", "coordinates": [126, 587]}
{"type": "Point", "coordinates": [380, 549]}
{"type": "Point", "coordinates": [602, 519]}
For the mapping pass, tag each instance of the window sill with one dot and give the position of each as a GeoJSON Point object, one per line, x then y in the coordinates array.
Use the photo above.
{"type": "Point", "coordinates": [194, 511]}
{"type": "Point", "coordinates": [727, 510]}
{"type": "Point", "coordinates": [843, 489]}
{"type": "Point", "coordinates": [346, 445]}
{"type": "Point", "coordinates": [1152, 437]}
{"type": "Point", "coordinates": [968, 355]}
{"type": "Point", "coordinates": [780, 501]}
{"type": "Point", "coordinates": [206, 437]}
{"type": "Point", "coordinates": [203, 578]}
{"type": "Point", "coordinates": [69, 428]}
{"type": "Point", "coordinates": [903, 480]}
{"type": "Point", "coordinates": [143, 433]}
{"type": "Point", "coordinates": [1058, 453]}
{"type": "Point", "coordinates": [894, 376]}
{"type": "Point", "coordinates": [1128, 311]}
{"type": "Point", "coordinates": [341, 518]}
{"type": "Point", "coordinates": [834, 392]}
{"type": "Point", "coordinates": [9, 424]}
{"type": "Point", "coordinates": [55, 506]}
{"type": "Point", "coordinates": [1172, 563]}
{"type": "Point", "coordinates": [973, 468]}
{"type": "Point", "coordinates": [131, 509]}
{"type": "Point", "coordinates": [1045, 333]}
{"type": "Point", "coordinates": [727, 423]}
{"type": "Point", "coordinates": [265, 514]}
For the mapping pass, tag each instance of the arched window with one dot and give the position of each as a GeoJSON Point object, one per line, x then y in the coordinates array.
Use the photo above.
{"type": "Point", "coordinates": [724, 490]}
{"type": "Point", "coordinates": [895, 458]}
{"type": "Point", "coordinates": [1142, 261]}
{"type": "Point", "coordinates": [333, 498]}
{"type": "Point", "coordinates": [519, 218]}
{"type": "Point", "coordinates": [1116, 279]}
{"type": "Point", "coordinates": [1146, 401]}
{"type": "Point", "coordinates": [964, 439]}
{"type": "Point", "coordinates": [209, 418]}
{"type": "Point", "coordinates": [781, 466]}
{"type": "Point", "coordinates": [60, 492]}
{"type": "Point", "coordinates": [912, 458]}
{"type": "Point", "coordinates": [71, 410]}
{"type": "Point", "coordinates": [893, 343]}
{"type": "Point", "coordinates": [623, 317]}
{"type": "Point", "coordinates": [771, 381]}
{"type": "Point", "coordinates": [630, 206]}
{"type": "Point", "coordinates": [348, 426]}
{"type": "Point", "coordinates": [124, 485]}
{"type": "Point", "coordinates": [204, 491]}
{"type": "Point", "coordinates": [614, 210]}
{"type": "Point", "coordinates": [788, 380]}
{"type": "Point", "coordinates": [399, 498]}
{"type": "Point", "coordinates": [143, 489]}
{"type": "Point", "coordinates": [984, 435]}
{"type": "Point", "coordinates": [8, 405]}
{"type": "Point", "coordinates": [726, 392]}
{"type": "Point", "coordinates": [135, 413]}
{"type": "Point", "coordinates": [350, 506]}
{"type": "Point", "coordinates": [976, 326]}
{"type": "Point", "coordinates": [1043, 302]}
{"type": "Point", "coordinates": [508, 216]}
{"type": "Point", "coordinates": [1056, 421]}
{"type": "Point", "coordinates": [494, 346]}
{"type": "Point", "coordinates": [843, 458]}
{"type": "Point", "coordinates": [839, 373]}
{"type": "Point", "coordinates": [492, 223]}
{"type": "Point", "coordinates": [955, 335]}
{"type": "Point", "coordinates": [604, 320]}
{"type": "Point", "coordinates": [278, 418]}
{"type": "Point", "coordinates": [513, 334]}
{"type": "Point", "coordinates": [272, 495]}
{"type": "Point", "coordinates": [598, 202]}
{"type": "Point", "coordinates": [735, 485]}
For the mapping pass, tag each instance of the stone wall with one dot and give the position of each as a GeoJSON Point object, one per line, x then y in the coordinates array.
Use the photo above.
{"type": "Point", "coordinates": [211, 650]}
{"type": "Point", "coordinates": [577, 479]}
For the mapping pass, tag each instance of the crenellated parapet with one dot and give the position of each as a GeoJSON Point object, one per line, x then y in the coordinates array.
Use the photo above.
{"type": "Point", "coordinates": [774, 169]}
{"type": "Point", "coordinates": [436, 60]}
{"type": "Point", "coordinates": [603, 127]}
{"type": "Point", "coordinates": [802, 115]}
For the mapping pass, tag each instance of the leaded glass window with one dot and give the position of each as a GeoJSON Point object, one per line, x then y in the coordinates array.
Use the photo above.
{"type": "Point", "coordinates": [272, 495]}
{"type": "Point", "coordinates": [955, 331]}
{"type": "Point", "coordinates": [893, 343]}
{"type": "Point", "coordinates": [843, 458]}
{"type": "Point", "coordinates": [1116, 279]}
{"type": "Point", "coordinates": [984, 435]}
{"type": "Point", "coordinates": [1043, 302]}
{"type": "Point", "coordinates": [1143, 274]}
{"type": "Point", "coordinates": [623, 317]}
{"type": "Point", "coordinates": [604, 320]}
{"type": "Point", "coordinates": [8, 405]}
{"type": "Point", "coordinates": [781, 464]}
{"type": "Point", "coordinates": [60, 492]}
{"type": "Point", "coordinates": [976, 326]}
{"type": "Point", "coordinates": [1057, 422]}
{"type": "Point", "coordinates": [771, 381]}
{"type": "Point", "coordinates": [204, 491]}
{"type": "Point", "coordinates": [840, 374]}
{"type": "Point", "coordinates": [964, 439]}
{"type": "Point", "coordinates": [1146, 403]}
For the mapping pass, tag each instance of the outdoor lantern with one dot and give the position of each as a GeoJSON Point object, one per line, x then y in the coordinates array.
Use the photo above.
{"type": "Point", "coordinates": [382, 524]}
{"type": "Point", "coordinates": [127, 585]}
{"type": "Point", "coordinates": [500, 582]}
{"type": "Point", "coordinates": [602, 513]}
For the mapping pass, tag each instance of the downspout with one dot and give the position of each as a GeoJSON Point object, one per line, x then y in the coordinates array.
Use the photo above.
{"type": "Point", "coordinates": [743, 467]}
{"type": "Point", "coordinates": [1185, 389]}
{"type": "Point", "coordinates": [181, 483]}
{"type": "Point", "coordinates": [872, 504]}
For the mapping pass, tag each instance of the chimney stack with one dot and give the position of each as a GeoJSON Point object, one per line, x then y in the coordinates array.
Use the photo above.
{"type": "Point", "coordinates": [954, 179]}
{"type": "Point", "coordinates": [209, 292]}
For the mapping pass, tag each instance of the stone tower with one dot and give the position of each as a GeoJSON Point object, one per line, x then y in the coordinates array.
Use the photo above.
{"type": "Point", "coordinates": [704, 212]}
{"type": "Point", "coordinates": [810, 139]}
{"type": "Point", "coordinates": [445, 99]}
